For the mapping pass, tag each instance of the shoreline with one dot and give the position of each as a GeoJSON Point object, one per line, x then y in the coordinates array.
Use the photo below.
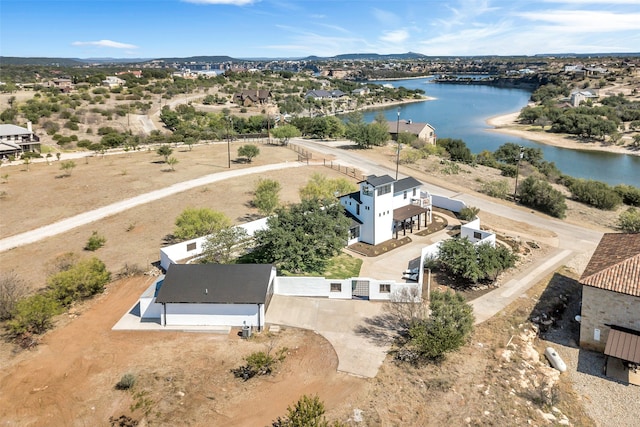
{"type": "Point", "coordinates": [507, 124]}
{"type": "Point", "coordinates": [393, 103]}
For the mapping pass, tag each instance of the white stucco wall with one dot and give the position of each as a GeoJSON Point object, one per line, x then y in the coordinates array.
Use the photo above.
{"type": "Point", "coordinates": [175, 253]}
{"type": "Point", "coordinates": [213, 314]}
{"type": "Point", "coordinates": [447, 203]}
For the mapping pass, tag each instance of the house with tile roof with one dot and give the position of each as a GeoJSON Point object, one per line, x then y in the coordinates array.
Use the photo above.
{"type": "Point", "coordinates": [610, 317]}
{"type": "Point", "coordinates": [251, 97]}
{"type": "Point", "coordinates": [384, 207]}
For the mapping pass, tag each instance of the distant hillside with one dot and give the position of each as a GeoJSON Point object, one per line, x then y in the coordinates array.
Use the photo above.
{"type": "Point", "coordinates": [57, 62]}
{"type": "Point", "coordinates": [367, 57]}
{"type": "Point", "coordinates": [213, 59]}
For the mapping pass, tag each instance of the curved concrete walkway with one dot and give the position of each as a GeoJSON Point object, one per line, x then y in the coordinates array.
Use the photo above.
{"type": "Point", "coordinates": [114, 208]}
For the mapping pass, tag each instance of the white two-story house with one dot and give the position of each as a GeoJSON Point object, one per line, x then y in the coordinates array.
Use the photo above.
{"type": "Point", "coordinates": [383, 207]}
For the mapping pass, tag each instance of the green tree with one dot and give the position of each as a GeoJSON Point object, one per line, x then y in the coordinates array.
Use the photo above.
{"type": "Point", "coordinates": [33, 314]}
{"type": "Point", "coordinates": [197, 222]}
{"type": "Point", "coordinates": [457, 149]}
{"type": "Point", "coordinates": [82, 280]}
{"type": "Point", "coordinates": [319, 187]}
{"type": "Point", "coordinates": [248, 151]}
{"type": "Point", "coordinates": [164, 151]}
{"type": "Point", "coordinates": [266, 197]}
{"type": "Point", "coordinates": [447, 328]}
{"type": "Point", "coordinates": [67, 166]}
{"type": "Point", "coordinates": [499, 188]}
{"type": "Point", "coordinates": [303, 237]}
{"type": "Point", "coordinates": [223, 246]}
{"type": "Point", "coordinates": [459, 258]}
{"type": "Point", "coordinates": [284, 133]}
{"type": "Point", "coordinates": [595, 193]}
{"type": "Point", "coordinates": [307, 412]}
{"type": "Point", "coordinates": [541, 195]}
{"type": "Point", "coordinates": [629, 221]}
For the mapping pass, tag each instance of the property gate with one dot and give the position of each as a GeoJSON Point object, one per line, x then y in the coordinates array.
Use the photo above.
{"type": "Point", "coordinates": [360, 289]}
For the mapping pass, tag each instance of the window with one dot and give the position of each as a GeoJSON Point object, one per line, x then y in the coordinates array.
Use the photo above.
{"type": "Point", "coordinates": [367, 191]}
{"type": "Point", "coordinates": [354, 232]}
{"type": "Point", "coordinates": [477, 235]}
{"type": "Point", "coordinates": [414, 192]}
{"type": "Point", "coordinates": [384, 189]}
{"type": "Point", "coordinates": [385, 288]}
{"type": "Point", "coordinates": [336, 287]}
{"type": "Point", "coordinates": [357, 209]}
{"type": "Point", "coordinates": [191, 246]}
{"type": "Point", "coordinates": [404, 196]}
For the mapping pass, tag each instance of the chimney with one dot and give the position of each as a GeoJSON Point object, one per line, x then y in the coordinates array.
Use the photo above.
{"type": "Point", "coordinates": [29, 126]}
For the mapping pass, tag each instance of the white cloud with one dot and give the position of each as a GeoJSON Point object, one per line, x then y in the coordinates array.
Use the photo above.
{"type": "Point", "coordinates": [397, 36]}
{"type": "Point", "coordinates": [106, 43]}
{"type": "Point", "coordinates": [229, 2]}
{"type": "Point", "coordinates": [589, 21]}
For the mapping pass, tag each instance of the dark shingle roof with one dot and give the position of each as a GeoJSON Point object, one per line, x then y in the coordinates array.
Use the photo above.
{"type": "Point", "coordinates": [405, 184]}
{"type": "Point", "coordinates": [379, 180]}
{"type": "Point", "coordinates": [215, 283]}
{"type": "Point", "coordinates": [615, 264]}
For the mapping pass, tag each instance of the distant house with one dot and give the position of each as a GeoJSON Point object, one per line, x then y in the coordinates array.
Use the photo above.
{"type": "Point", "coordinates": [135, 73]}
{"type": "Point", "coordinates": [325, 94]}
{"type": "Point", "coordinates": [211, 295]}
{"type": "Point", "coordinates": [383, 207]}
{"type": "Point", "coordinates": [610, 317]}
{"type": "Point", "coordinates": [113, 82]}
{"type": "Point", "coordinates": [361, 91]}
{"type": "Point", "coordinates": [248, 98]}
{"type": "Point", "coordinates": [16, 140]}
{"type": "Point", "coordinates": [423, 131]}
{"type": "Point", "coordinates": [64, 85]}
{"type": "Point", "coordinates": [579, 96]}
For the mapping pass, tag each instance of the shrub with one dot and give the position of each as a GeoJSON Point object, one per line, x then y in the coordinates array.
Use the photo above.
{"type": "Point", "coordinates": [541, 195]}
{"type": "Point", "coordinates": [259, 363]}
{"type": "Point", "coordinates": [95, 242]}
{"type": "Point", "coordinates": [447, 328]}
{"type": "Point", "coordinates": [82, 280]}
{"type": "Point", "coordinates": [468, 213]}
{"type": "Point", "coordinates": [12, 289]}
{"type": "Point", "coordinates": [630, 194]}
{"type": "Point", "coordinates": [499, 189]}
{"type": "Point", "coordinates": [126, 382]}
{"type": "Point", "coordinates": [629, 221]}
{"type": "Point", "coordinates": [33, 314]}
{"type": "Point", "coordinates": [508, 170]}
{"type": "Point", "coordinates": [595, 193]}
{"type": "Point", "coordinates": [308, 411]}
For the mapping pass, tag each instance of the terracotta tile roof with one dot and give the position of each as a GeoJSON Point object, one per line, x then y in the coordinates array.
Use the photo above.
{"type": "Point", "coordinates": [615, 264]}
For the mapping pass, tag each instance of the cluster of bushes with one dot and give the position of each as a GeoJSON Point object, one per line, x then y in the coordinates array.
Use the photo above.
{"type": "Point", "coordinates": [73, 282]}
{"type": "Point", "coordinates": [471, 263]}
{"type": "Point", "coordinates": [259, 363]}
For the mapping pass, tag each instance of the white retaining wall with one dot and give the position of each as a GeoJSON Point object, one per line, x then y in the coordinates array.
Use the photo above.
{"type": "Point", "coordinates": [447, 203]}
{"type": "Point", "coordinates": [175, 253]}
{"type": "Point", "coordinates": [472, 232]}
{"type": "Point", "coordinates": [321, 287]}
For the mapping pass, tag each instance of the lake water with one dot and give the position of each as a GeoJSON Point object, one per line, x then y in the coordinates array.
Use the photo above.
{"type": "Point", "coordinates": [460, 111]}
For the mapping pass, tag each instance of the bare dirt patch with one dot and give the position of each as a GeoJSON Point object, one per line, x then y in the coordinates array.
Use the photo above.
{"type": "Point", "coordinates": [181, 378]}
{"type": "Point", "coordinates": [134, 236]}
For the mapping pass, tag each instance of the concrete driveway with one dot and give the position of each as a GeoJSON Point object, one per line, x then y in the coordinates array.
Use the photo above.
{"type": "Point", "coordinates": [346, 324]}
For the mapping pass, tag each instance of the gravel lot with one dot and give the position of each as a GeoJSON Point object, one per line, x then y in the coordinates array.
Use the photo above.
{"type": "Point", "coordinates": [608, 402]}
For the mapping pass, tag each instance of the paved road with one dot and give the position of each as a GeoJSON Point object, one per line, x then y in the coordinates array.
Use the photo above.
{"type": "Point", "coordinates": [114, 208]}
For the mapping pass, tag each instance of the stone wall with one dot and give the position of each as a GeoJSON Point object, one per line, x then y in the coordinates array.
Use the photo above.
{"type": "Point", "coordinates": [601, 307]}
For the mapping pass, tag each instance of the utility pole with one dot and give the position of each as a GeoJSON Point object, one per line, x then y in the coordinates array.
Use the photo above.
{"type": "Point", "coordinates": [515, 190]}
{"type": "Point", "coordinates": [398, 141]}
{"type": "Point", "coordinates": [229, 141]}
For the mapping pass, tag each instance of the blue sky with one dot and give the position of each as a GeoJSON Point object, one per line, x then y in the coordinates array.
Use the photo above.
{"type": "Point", "coordinates": [297, 28]}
